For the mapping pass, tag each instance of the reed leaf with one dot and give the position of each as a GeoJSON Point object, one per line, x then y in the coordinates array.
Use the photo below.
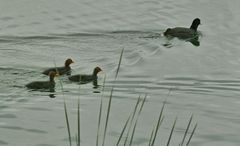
{"type": "Point", "coordinates": [108, 113]}
{"type": "Point", "coordinates": [78, 138]}
{"type": "Point", "coordinates": [110, 100]}
{"type": "Point", "coordinates": [67, 121]}
{"type": "Point", "coordinates": [123, 130]}
{"type": "Point", "coordinates": [134, 128]}
{"type": "Point", "coordinates": [100, 111]}
{"type": "Point", "coordinates": [191, 134]}
{"type": "Point", "coordinates": [186, 131]}
{"type": "Point", "coordinates": [131, 122]}
{"type": "Point", "coordinates": [135, 125]}
{"type": "Point", "coordinates": [119, 63]}
{"type": "Point", "coordinates": [158, 125]}
{"type": "Point", "coordinates": [151, 136]}
{"type": "Point", "coordinates": [65, 109]}
{"type": "Point", "coordinates": [170, 136]}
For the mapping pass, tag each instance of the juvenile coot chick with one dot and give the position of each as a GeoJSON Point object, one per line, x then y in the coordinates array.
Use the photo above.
{"type": "Point", "coordinates": [182, 32]}
{"type": "Point", "coordinates": [44, 84]}
{"type": "Point", "coordinates": [66, 69]}
{"type": "Point", "coordinates": [82, 78]}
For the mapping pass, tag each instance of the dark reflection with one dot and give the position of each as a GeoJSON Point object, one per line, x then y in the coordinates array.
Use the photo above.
{"type": "Point", "coordinates": [194, 41]}
{"type": "Point", "coordinates": [69, 73]}
{"type": "Point", "coordinates": [167, 45]}
{"type": "Point", "coordinates": [96, 92]}
{"type": "Point", "coordinates": [95, 84]}
{"type": "Point", "coordinates": [52, 95]}
{"type": "Point", "coordinates": [51, 90]}
{"type": "Point", "coordinates": [43, 90]}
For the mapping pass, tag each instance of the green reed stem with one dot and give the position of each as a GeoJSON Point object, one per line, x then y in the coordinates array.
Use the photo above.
{"type": "Point", "coordinates": [151, 136]}
{"type": "Point", "coordinates": [107, 118]}
{"type": "Point", "coordinates": [123, 130]}
{"type": "Point", "coordinates": [100, 111]}
{"type": "Point", "coordinates": [67, 121]}
{"type": "Point", "coordinates": [131, 122]}
{"type": "Point", "coordinates": [191, 134]}
{"type": "Point", "coordinates": [135, 125]}
{"type": "Point", "coordinates": [134, 128]}
{"type": "Point", "coordinates": [158, 125]}
{"type": "Point", "coordinates": [119, 63]}
{"type": "Point", "coordinates": [78, 142]}
{"type": "Point", "coordinates": [65, 109]}
{"type": "Point", "coordinates": [170, 136]}
{"type": "Point", "coordinates": [76, 139]}
{"type": "Point", "coordinates": [186, 131]}
{"type": "Point", "coordinates": [110, 100]}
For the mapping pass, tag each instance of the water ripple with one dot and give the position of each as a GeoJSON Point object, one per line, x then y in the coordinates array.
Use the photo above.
{"type": "Point", "coordinates": [8, 116]}
{"type": "Point", "coordinates": [45, 145]}
{"type": "Point", "coordinates": [24, 129]}
{"type": "Point", "coordinates": [3, 142]}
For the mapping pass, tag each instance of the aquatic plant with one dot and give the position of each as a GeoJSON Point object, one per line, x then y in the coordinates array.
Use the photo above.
{"type": "Point", "coordinates": [129, 128]}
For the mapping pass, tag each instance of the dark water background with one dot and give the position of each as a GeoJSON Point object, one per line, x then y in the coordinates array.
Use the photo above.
{"type": "Point", "coordinates": [203, 80]}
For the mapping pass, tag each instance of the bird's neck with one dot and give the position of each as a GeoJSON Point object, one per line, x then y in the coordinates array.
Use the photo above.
{"type": "Point", "coordinates": [94, 73]}
{"type": "Point", "coordinates": [194, 27]}
{"type": "Point", "coordinates": [67, 65]}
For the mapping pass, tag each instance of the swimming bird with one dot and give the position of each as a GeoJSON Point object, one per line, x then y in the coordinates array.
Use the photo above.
{"type": "Point", "coordinates": [44, 84]}
{"type": "Point", "coordinates": [83, 78]}
{"type": "Point", "coordinates": [182, 32]}
{"type": "Point", "coordinates": [66, 69]}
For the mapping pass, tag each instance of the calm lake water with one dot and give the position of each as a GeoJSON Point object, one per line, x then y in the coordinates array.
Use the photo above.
{"type": "Point", "coordinates": [201, 80]}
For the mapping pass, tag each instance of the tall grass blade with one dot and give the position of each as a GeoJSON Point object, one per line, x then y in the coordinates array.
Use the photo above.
{"type": "Point", "coordinates": [131, 122]}
{"type": "Point", "coordinates": [65, 108]}
{"type": "Point", "coordinates": [100, 112]}
{"type": "Point", "coordinates": [134, 128]}
{"type": "Point", "coordinates": [151, 143]}
{"type": "Point", "coordinates": [185, 134]}
{"type": "Point", "coordinates": [135, 125]}
{"type": "Point", "coordinates": [151, 136]}
{"type": "Point", "coordinates": [119, 63]}
{"type": "Point", "coordinates": [78, 138]}
{"type": "Point", "coordinates": [191, 134]}
{"type": "Point", "coordinates": [158, 124]}
{"type": "Point", "coordinates": [123, 130]}
{"type": "Point", "coordinates": [144, 100]}
{"type": "Point", "coordinates": [170, 136]}
{"type": "Point", "coordinates": [110, 100]}
{"type": "Point", "coordinates": [108, 113]}
{"type": "Point", "coordinates": [67, 121]}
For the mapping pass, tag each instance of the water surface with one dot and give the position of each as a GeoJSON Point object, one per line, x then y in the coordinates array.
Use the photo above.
{"type": "Point", "coordinates": [200, 80]}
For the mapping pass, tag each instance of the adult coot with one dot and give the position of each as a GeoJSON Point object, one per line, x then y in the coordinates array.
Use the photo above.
{"type": "Point", "coordinates": [44, 84]}
{"type": "Point", "coordinates": [82, 78]}
{"type": "Point", "coordinates": [66, 69]}
{"type": "Point", "coordinates": [182, 32]}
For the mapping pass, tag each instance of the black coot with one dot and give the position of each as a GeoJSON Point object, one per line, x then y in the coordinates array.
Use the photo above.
{"type": "Point", "coordinates": [66, 69]}
{"type": "Point", "coordinates": [83, 78]}
{"type": "Point", "coordinates": [182, 32]}
{"type": "Point", "coordinates": [43, 84]}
